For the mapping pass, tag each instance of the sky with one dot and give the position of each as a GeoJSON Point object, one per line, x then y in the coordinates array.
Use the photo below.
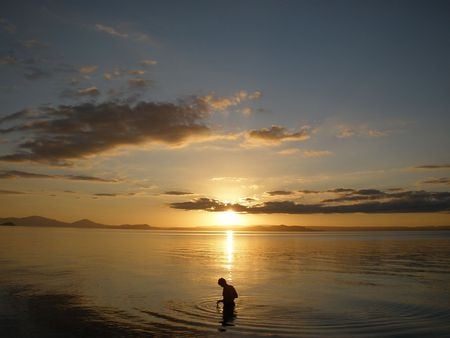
{"type": "Point", "coordinates": [193, 113]}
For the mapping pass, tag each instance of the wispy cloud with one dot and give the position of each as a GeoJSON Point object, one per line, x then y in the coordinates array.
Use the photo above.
{"type": "Point", "coordinates": [124, 31]}
{"type": "Point", "coordinates": [149, 62]}
{"type": "Point", "coordinates": [177, 193]}
{"type": "Point", "coordinates": [279, 193]}
{"type": "Point", "coordinates": [11, 192]}
{"type": "Point", "coordinates": [13, 174]}
{"type": "Point", "coordinates": [437, 181]}
{"type": "Point", "coordinates": [218, 103]}
{"type": "Point", "coordinates": [277, 134]}
{"type": "Point", "coordinates": [88, 69]}
{"type": "Point", "coordinates": [347, 131]}
{"type": "Point", "coordinates": [110, 31]}
{"type": "Point", "coordinates": [136, 72]}
{"type": "Point", "coordinates": [91, 92]}
{"type": "Point", "coordinates": [433, 166]}
{"type": "Point", "coordinates": [119, 194]}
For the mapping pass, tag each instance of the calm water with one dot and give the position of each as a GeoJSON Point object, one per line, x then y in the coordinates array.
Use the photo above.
{"type": "Point", "coordinates": [74, 282]}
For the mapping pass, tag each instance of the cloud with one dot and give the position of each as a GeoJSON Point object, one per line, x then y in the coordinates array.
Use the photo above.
{"type": "Point", "coordinates": [347, 131]}
{"type": "Point", "coordinates": [12, 174]}
{"type": "Point", "coordinates": [88, 69]}
{"type": "Point", "coordinates": [247, 111]}
{"type": "Point", "coordinates": [177, 193]}
{"type": "Point", "coordinates": [125, 32]}
{"type": "Point", "coordinates": [91, 92]}
{"type": "Point", "coordinates": [201, 204]}
{"type": "Point", "coordinates": [433, 166]}
{"type": "Point", "coordinates": [223, 103]}
{"type": "Point", "coordinates": [406, 202]}
{"type": "Point", "coordinates": [350, 195]}
{"type": "Point", "coordinates": [107, 194]}
{"type": "Point", "coordinates": [341, 190]}
{"type": "Point", "coordinates": [111, 31]}
{"type": "Point", "coordinates": [279, 193]}
{"type": "Point", "coordinates": [57, 134]}
{"type": "Point", "coordinates": [11, 192]}
{"type": "Point", "coordinates": [149, 62]}
{"type": "Point", "coordinates": [277, 134]}
{"type": "Point", "coordinates": [442, 180]}
{"type": "Point", "coordinates": [112, 74]}
{"type": "Point", "coordinates": [316, 153]}
{"type": "Point", "coordinates": [289, 151]}
{"type": "Point", "coordinates": [137, 72]}
{"type": "Point", "coordinates": [138, 83]}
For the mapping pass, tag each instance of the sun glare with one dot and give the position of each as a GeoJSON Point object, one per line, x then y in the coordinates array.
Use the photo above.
{"type": "Point", "coordinates": [229, 217]}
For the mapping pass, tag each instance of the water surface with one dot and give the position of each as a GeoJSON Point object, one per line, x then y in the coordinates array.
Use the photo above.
{"type": "Point", "coordinates": [94, 282]}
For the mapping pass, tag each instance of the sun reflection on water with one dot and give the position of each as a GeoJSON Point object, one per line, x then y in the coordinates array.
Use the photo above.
{"type": "Point", "coordinates": [229, 250]}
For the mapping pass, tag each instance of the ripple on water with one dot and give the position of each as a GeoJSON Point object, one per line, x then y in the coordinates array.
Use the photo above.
{"type": "Point", "coordinates": [254, 318]}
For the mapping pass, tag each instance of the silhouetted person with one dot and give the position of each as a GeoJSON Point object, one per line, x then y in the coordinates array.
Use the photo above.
{"type": "Point", "coordinates": [229, 294]}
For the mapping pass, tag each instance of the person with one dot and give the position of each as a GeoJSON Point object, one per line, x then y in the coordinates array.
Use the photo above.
{"type": "Point", "coordinates": [229, 294]}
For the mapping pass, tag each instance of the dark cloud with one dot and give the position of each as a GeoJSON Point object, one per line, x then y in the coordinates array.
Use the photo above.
{"type": "Point", "coordinates": [11, 174]}
{"type": "Point", "coordinates": [177, 193]}
{"type": "Point", "coordinates": [202, 204]}
{"type": "Point", "coordinates": [433, 166]}
{"type": "Point", "coordinates": [442, 180]}
{"type": "Point", "coordinates": [309, 191]}
{"type": "Point", "coordinates": [351, 195]}
{"type": "Point", "coordinates": [107, 194]}
{"type": "Point", "coordinates": [279, 193]}
{"type": "Point", "coordinates": [11, 192]}
{"type": "Point", "coordinates": [277, 134]}
{"type": "Point", "coordinates": [88, 178]}
{"type": "Point", "coordinates": [404, 202]}
{"type": "Point", "coordinates": [341, 190]}
{"type": "Point", "coordinates": [57, 134]}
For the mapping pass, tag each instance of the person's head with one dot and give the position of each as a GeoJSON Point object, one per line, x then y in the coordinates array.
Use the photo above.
{"type": "Point", "coordinates": [222, 282]}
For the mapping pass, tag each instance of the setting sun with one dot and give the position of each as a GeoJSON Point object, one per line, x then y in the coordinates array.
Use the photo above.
{"type": "Point", "coordinates": [229, 217]}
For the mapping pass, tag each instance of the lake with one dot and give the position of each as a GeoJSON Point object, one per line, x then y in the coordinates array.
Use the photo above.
{"type": "Point", "coordinates": [62, 282]}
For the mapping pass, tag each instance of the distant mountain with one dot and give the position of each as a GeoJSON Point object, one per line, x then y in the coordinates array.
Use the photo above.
{"type": "Point", "coordinates": [38, 221]}
{"type": "Point", "coordinates": [87, 223]}
{"type": "Point", "coordinates": [34, 221]}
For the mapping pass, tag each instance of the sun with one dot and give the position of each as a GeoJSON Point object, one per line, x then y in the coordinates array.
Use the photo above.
{"type": "Point", "coordinates": [229, 217]}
